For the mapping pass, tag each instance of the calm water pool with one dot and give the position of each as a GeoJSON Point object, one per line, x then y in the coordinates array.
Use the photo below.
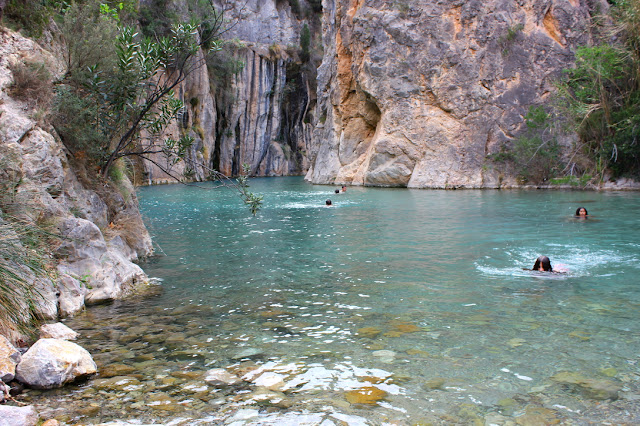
{"type": "Point", "coordinates": [394, 306]}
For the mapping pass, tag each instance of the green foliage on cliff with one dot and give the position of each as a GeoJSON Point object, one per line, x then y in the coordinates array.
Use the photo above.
{"type": "Point", "coordinates": [305, 43]}
{"type": "Point", "coordinates": [534, 156]}
{"type": "Point", "coordinates": [601, 96]}
{"type": "Point", "coordinates": [31, 83]}
{"type": "Point", "coordinates": [18, 267]}
{"type": "Point", "coordinates": [32, 16]}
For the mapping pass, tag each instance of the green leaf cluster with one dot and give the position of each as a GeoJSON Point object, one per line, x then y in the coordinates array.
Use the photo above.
{"type": "Point", "coordinates": [602, 96]}
{"type": "Point", "coordinates": [535, 155]}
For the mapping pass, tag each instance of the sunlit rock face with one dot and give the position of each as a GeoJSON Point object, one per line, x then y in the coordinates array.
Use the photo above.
{"type": "Point", "coordinates": [419, 93]}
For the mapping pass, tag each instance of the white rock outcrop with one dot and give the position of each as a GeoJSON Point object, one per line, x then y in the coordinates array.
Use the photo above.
{"type": "Point", "coordinates": [9, 359]}
{"type": "Point", "coordinates": [57, 331]}
{"type": "Point", "coordinates": [18, 416]}
{"type": "Point", "coordinates": [51, 363]}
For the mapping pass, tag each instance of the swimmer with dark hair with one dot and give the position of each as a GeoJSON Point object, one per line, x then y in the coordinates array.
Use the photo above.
{"type": "Point", "coordinates": [543, 264]}
{"type": "Point", "coordinates": [582, 212]}
{"type": "Point", "coordinates": [328, 202]}
{"type": "Point", "coordinates": [337, 191]}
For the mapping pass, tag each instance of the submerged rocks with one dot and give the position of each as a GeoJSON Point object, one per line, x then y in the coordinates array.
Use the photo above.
{"type": "Point", "coordinates": [594, 388]}
{"type": "Point", "coordinates": [366, 395]}
{"type": "Point", "coordinates": [51, 363]}
{"type": "Point", "coordinates": [220, 376]}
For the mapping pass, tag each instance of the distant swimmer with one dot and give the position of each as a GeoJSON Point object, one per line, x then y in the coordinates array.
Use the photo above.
{"type": "Point", "coordinates": [337, 191]}
{"type": "Point", "coordinates": [582, 212]}
{"type": "Point", "coordinates": [328, 203]}
{"type": "Point", "coordinates": [344, 188]}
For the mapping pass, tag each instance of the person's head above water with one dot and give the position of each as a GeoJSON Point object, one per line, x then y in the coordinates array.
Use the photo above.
{"type": "Point", "coordinates": [337, 191]}
{"type": "Point", "coordinates": [543, 264]}
{"type": "Point", "coordinates": [328, 202]}
{"type": "Point", "coordinates": [581, 211]}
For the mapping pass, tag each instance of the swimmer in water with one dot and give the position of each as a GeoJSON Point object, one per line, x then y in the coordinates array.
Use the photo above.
{"type": "Point", "coordinates": [328, 203]}
{"type": "Point", "coordinates": [581, 212]}
{"type": "Point", "coordinates": [543, 264]}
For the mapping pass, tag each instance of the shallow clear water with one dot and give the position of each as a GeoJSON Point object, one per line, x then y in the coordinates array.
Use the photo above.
{"type": "Point", "coordinates": [418, 293]}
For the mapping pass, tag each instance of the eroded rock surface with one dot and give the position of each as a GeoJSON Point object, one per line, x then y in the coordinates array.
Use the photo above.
{"type": "Point", "coordinates": [419, 95]}
{"type": "Point", "coordinates": [51, 363]}
{"type": "Point", "coordinates": [9, 359]}
{"type": "Point", "coordinates": [100, 228]}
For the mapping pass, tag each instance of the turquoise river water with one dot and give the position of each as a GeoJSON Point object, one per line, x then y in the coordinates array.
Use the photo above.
{"type": "Point", "coordinates": [393, 306]}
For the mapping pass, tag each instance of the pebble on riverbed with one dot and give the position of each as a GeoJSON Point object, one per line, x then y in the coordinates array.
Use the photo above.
{"type": "Point", "coordinates": [594, 388]}
{"type": "Point", "coordinates": [366, 395]}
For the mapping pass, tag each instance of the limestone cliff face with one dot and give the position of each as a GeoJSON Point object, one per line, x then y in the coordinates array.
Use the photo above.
{"type": "Point", "coordinates": [252, 118]}
{"type": "Point", "coordinates": [100, 229]}
{"type": "Point", "coordinates": [418, 93]}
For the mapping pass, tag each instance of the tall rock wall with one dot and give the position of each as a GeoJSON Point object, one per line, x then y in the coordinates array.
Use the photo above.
{"type": "Point", "coordinates": [249, 118]}
{"type": "Point", "coordinates": [97, 231]}
{"type": "Point", "coordinates": [419, 93]}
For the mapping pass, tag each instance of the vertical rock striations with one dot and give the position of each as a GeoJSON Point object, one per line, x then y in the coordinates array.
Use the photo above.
{"type": "Point", "coordinates": [248, 104]}
{"type": "Point", "coordinates": [418, 94]}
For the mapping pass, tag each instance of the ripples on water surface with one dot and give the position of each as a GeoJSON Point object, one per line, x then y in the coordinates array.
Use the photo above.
{"type": "Point", "coordinates": [393, 306]}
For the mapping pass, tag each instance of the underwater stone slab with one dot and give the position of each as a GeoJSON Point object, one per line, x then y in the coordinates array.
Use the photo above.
{"type": "Point", "coordinates": [220, 376]}
{"type": "Point", "coordinates": [594, 388]}
{"type": "Point", "coordinates": [51, 363]}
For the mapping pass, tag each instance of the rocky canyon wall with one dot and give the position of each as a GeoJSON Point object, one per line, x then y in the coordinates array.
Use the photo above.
{"type": "Point", "coordinates": [96, 232]}
{"type": "Point", "coordinates": [247, 104]}
{"type": "Point", "coordinates": [419, 93]}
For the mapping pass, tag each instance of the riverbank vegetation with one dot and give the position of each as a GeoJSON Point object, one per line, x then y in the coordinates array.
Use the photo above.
{"type": "Point", "coordinates": [124, 61]}
{"type": "Point", "coordinates": [598, 100]}
{"type": "Point", "coordinates": [601, 95]}
{"type": "Point", "coordinates": [113, 103]}
{"type": "Point", "coordinates": [25, 239]}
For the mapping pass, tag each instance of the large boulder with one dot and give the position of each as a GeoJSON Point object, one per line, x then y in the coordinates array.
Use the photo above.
{"type": "Point", "coordinates": [104, 268]}
{"type": "Point", "coordinates": [9, 359]}
{"type": "Point", "coordinates": [51, 363]}
{"type": "Point", "coordinates": [18, 416]}
{"type": "Point", "coordinates": [57, 331]}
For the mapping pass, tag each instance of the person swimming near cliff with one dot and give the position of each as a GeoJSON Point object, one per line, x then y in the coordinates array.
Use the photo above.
{"type": "Point", "coordinates": [337, 191]}
{"type": "Point", "coordinates": [328, 203]}
{"type": "Point", "coordinates": [581, 212]}
{"type": "Point", "coordinates": [344, 188]}
{"type": "Point", "coordinates": [543, 264]}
